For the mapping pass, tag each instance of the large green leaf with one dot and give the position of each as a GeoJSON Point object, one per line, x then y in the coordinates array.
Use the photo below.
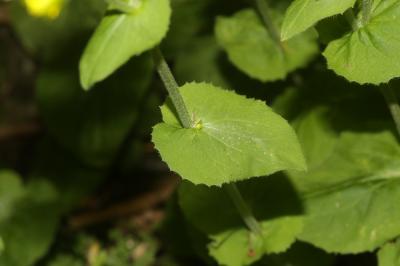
{"type": "Point", "coordinates": [234, 138]}
{"type": "Point", "coordinates": [252, 48]}
{"type": "Point", "coordinates": [303, 14]}
{"type": "Point", "coordinates": [369, 54]}
{"type": "Point", "coordinates": [389, 254]}
{"type": "Point", "coordinates": [359, 205]}
{"type": "Point", "coordinates": [352, 185]}
{"type": "Point", "coordinates": [121, 36]}
{"type": "Point", "coordinates": [274, 204]}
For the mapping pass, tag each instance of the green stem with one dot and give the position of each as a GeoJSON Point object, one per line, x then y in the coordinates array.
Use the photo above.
{"type": "Point", "coordinates": [173, 89]}
{"type": "Point", "coordinates": [264, 12]}
{"type": "Point", "coordinates": [393, 104]}
{"type": "Point", "coordinates": [351, 19]}
{"type": "Point", "coordinates": [244, 211]}
{"type": "Point", "coordinates": [123, 6]}
{"type": "Point", "coordinates": [366, 8]}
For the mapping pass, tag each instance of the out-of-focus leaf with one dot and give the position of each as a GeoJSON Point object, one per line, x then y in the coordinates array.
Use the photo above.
{"type": "Point", "coordinates": [254, 50]}
{"type": "Point", "coordinates": [93, 125]}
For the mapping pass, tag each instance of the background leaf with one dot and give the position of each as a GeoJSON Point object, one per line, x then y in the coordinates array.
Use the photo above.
{"type": "Point", "coordinates": [92, 125]}
{"type": "Point", "coordinates": [252, 49]}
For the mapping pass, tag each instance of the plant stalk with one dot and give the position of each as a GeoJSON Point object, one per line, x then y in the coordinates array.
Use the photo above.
{"type": "Point", "coordinates": [263, 10]}
{"type": "Point", "coordinates": [393, 104]}
{"type": "Point", "coordinates": [366, 8]}
{"type": "Point", "coordinates": [351, 19]}
{"type": "Point", "coordinates": [122, 6]}
{"type": "Point", "coordinates": [243, 209]}
{"type": "Point", "coordinates": [172, 87]}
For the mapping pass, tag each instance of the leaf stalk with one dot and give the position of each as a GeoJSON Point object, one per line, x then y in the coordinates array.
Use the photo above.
{"type": "Point", "coordinates": [366, 8]}
{"type": "Point", "coordinates": [243, 209]}
{"type": "Point", "coordinates": [125, 7]}
{"type": "Point", "coordinates": [351, 19]}
{"type": "Point", "coordinates": [172, 87]}
{"type": "Point", "coordinates": [263, 10]}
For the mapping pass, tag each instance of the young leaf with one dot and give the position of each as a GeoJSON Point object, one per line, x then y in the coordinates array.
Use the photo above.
{"type": "Point", "coordinates": [369, 54]}
{"type": "Point", "coordinates": [389, 254]}
{"type": "Point", "coordinates": [273, 203]}
{"type": "Point", "coordinates": [234, 138]}
{"type": "Point", "coordinates": [121, 36]}
{"type": "Point", "coordinates": [252, 49]}
{"type": "Point", "coordinates": [303, 14]}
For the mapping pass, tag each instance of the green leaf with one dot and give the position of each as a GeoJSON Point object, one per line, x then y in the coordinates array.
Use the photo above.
{"type": "Point", "coordinates": [372, 44]}
{"type": "Point", "coordinates": [11, 190]}
{"type": "Point", "coordinates": [303, 14]}
{"type": "Point", "coordinates": [352, 186]}
{"type": "Point", "coordinates": [389, 254]}
{"type": "Point", "coordinates": [234, 138]}
{"type": "Point", "coordinates": [274, 204]}
{"type": "Point", "coordinates": [30, 227]}
{"type": "Point", "coordinates": [121, 36]}
{"type": "Point", "coordinates": [243, 247]}
{"type": "Point", "coordinates": [252, 49]}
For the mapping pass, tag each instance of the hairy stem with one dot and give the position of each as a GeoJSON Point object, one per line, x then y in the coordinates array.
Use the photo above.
{"type": "Point", "coordinates": [264, 12]}
{"type": "Point", "coordinates": [243, 209]}
{"type": "Point", "coordinates": [173, 89]}
{"type": "Point", "coordinates": [393, 104]}
{"type": "Point", "coordinates": [351, 19]}
{"type": "Point", "coordinates": [125, 7]}
{"type": "Point", "coordinates": [366, 8]}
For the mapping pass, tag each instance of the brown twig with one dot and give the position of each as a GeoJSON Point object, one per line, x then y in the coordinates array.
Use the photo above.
{"type": "Point", "coordinates": [134, 206]}
{"type": "Point", "coordinates": [18, 131]}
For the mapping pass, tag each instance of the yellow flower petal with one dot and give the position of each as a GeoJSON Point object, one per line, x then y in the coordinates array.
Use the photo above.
{"type": "Point", "coordinates": [44, 8]}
